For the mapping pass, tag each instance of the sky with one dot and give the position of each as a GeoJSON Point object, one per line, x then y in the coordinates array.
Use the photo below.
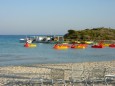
{"type": "Point", "coordinates": [52, 17]}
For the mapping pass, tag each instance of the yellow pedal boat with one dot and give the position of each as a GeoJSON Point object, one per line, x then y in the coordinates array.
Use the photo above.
{"type": "Point", "coordinates": [56, 46]}
{"type": "Point", "coordinates": [29, 45]}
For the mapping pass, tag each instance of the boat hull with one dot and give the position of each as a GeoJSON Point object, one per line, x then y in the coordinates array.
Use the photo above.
{"type": "Point", "coordinates": [112, 45]}
{"type": "Point", "coordinates": [61, 46]}
{"type": "Point", "coordinates": [30, 45]}
{"type": "Point", "coordinates": [97, 46]}
{"type": "Point", "coordinates": [79, 46]}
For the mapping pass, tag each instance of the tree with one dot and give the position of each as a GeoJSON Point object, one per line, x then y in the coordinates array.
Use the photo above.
{"type": "Point", "coordinates": [71, 31]}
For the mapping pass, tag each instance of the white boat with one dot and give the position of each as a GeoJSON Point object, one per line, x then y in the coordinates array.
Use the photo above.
{"type": "Point", "coordinates": [24, 40]}
{"type": "Point", "coordinates": [42, 39]}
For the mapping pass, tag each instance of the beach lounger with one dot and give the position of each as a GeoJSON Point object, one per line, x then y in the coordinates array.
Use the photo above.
{"type": "Point", "coordinates": [97, 76]}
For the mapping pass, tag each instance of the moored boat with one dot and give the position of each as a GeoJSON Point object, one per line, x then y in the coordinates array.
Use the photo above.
{"type": "Point", "coordinates": [22, 40]}
{"type": "Point", "coordinates": [97, 46]}
{"type": "Point", "coordinates": [78, 46]}
{"type": "Point", "coordinates": [106, 45]}
{"type": "Point", "coordinates": [89, 42]}
{"type": "Point", "coordinates": [112, 45]}
{"type": "Point", "coordinates": [29, 45]}
{"type": "Point", "coordinates": [44, 39]}
{"type": "Point", "coordinates": [60, 46]}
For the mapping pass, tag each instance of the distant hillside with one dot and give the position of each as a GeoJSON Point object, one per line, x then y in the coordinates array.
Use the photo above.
{"type": "Point", "coordinates": [91, 34]}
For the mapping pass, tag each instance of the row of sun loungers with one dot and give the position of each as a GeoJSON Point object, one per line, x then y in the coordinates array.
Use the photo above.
{"type": "Point", "coordinates": [56, 78]}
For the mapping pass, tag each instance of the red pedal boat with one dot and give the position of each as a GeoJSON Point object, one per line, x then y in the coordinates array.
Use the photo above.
{"type": "Point", "coordinates": [112, 45]}
{"type": "Point", "coordinates": [97, 46]}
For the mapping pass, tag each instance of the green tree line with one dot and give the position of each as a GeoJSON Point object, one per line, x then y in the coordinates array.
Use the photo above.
{"type": "Point", "coordinates": [100, 33]}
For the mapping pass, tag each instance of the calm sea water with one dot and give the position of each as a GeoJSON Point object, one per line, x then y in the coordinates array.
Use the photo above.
{"type": "Point", "coordinates": [12, 52]}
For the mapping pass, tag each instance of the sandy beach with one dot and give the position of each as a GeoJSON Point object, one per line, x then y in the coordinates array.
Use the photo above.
{"type": "Point", "coordinates": [66, 71]}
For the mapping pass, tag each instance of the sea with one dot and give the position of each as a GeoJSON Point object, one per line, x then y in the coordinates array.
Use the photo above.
{"type": "Point", "coordinates": [12, 53]}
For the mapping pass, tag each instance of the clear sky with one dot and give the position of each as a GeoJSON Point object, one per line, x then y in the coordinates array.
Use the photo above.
{"type": "Point", "coordinates": [54, 16]}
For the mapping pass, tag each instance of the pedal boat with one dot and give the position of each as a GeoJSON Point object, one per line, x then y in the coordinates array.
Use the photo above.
{"type": "Point", "coordinates": [60, 46]}
{"type": "Point", "coordinates": [97, 46]}
{"type": "Point", "coordinates": [112, 45]}
{"type": "Point", "coordinates": [29, 45]}
{"type": "Point", "coordinates": [79, 46]}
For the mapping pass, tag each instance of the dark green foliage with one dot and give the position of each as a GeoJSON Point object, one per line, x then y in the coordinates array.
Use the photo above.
{"type": "Point", "coordinates": [91, 34]}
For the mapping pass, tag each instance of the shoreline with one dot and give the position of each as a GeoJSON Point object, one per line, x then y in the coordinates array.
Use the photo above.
{"type": "Point", "coordinates": [52, 71]}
